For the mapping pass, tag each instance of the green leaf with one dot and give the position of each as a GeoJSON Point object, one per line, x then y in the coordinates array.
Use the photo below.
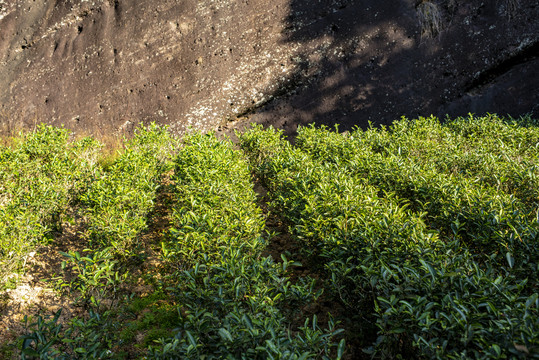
{"type": "Point", "coordinates": [225, 334]}
{"type": "Point", "coordinates": [272, 346]}
{"type": "Point", "coordinates": [191, 339]}
{"type": "Point", "coordinates": [510, 259]}
{"type": "Point", "coordinates": [30, 352]}
{"type": "Point", "coordinates": [429, 268]}
{"type": "Point", "coordinates": [341, 348]}
{"type": "Point", "coordinates": [496, 349]}
{"type": "Point", "coordinates": [531, 300]}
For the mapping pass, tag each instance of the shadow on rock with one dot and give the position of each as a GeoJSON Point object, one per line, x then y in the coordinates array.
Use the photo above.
{"type": "Point", "coordinates": [373, 62]}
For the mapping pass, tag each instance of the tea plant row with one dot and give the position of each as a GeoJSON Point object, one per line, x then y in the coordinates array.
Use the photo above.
{"type": "Point", "coordinates": [476, 185]}
{"type": "Point", "coordinates": [114, 203]}
{"type": "Point", "coordinates": [419, 230]}
{"type": "Point", "coordinates": [41, 175]}
{"type": "Point", "coordinates": [234, 302]}
{"type": "Point", "coordinates": [46, 180]}
{"type": "Point", "coordinates": [119, 200]}
{"type": "Point", "coordinates": [426, 232]}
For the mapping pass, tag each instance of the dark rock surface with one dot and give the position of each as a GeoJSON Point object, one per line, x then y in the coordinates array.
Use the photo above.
{"type": "Point", "coordinates": [101, 66]}
{"type": "Point", "coordinates": [381, 68]}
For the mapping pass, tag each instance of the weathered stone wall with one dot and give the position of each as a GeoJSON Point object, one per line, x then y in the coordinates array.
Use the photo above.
{"type": "Point", "coordinates": [101, 66]}
{"type": "Point", "coordinates": [105, 65]}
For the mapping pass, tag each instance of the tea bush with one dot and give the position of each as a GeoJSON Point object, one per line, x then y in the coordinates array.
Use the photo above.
{"type": "Point", "coordinates": [119, 200]}
{"type": "Point", "coordinates": [216, 206]}
{"type": "Point", "coordinates": [90, 338]}
{"type": "Point", "coordinates": [95, 284]}
{"type": "Point", "coordinates": [445, 261]}
{"type": "Point", "coordinates": [237, 308]}
{"type": "Point", "coordinates": [95, 277]}
{"type": "Point", "coordinates": [41, 177]}
{"type": "Point", "coordinates": [115, 204]}
{"type": "Point", "coordinates": [426, 231]}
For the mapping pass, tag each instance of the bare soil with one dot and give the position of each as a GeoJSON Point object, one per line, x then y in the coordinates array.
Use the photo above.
{"type": "Point", "coordinates": [35, 294]}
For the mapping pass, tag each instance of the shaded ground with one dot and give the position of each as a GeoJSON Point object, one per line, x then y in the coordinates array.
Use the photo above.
{"type": "Point", "coordinates": [100, 67]}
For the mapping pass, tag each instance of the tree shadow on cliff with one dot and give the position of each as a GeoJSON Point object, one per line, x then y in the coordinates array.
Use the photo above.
{"type": "Point", "coordinates": [366, 61]}
{"type": "Point", "coordinates": [355, 67]}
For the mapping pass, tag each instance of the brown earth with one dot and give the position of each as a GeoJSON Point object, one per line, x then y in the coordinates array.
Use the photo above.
{"type": "Point", "coordinates": [101, 66]}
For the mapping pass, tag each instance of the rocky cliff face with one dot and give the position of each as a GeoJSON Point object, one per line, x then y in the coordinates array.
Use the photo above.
{"type": "Point", "coordinates": [101, 66]}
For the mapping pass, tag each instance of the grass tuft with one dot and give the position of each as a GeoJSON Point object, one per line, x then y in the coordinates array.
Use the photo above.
{"type": "Point", "coordinates": [430, 19]}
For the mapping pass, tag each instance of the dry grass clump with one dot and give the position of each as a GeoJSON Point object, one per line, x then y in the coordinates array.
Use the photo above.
{"type": "Point", "coordinates": [430, 18]}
